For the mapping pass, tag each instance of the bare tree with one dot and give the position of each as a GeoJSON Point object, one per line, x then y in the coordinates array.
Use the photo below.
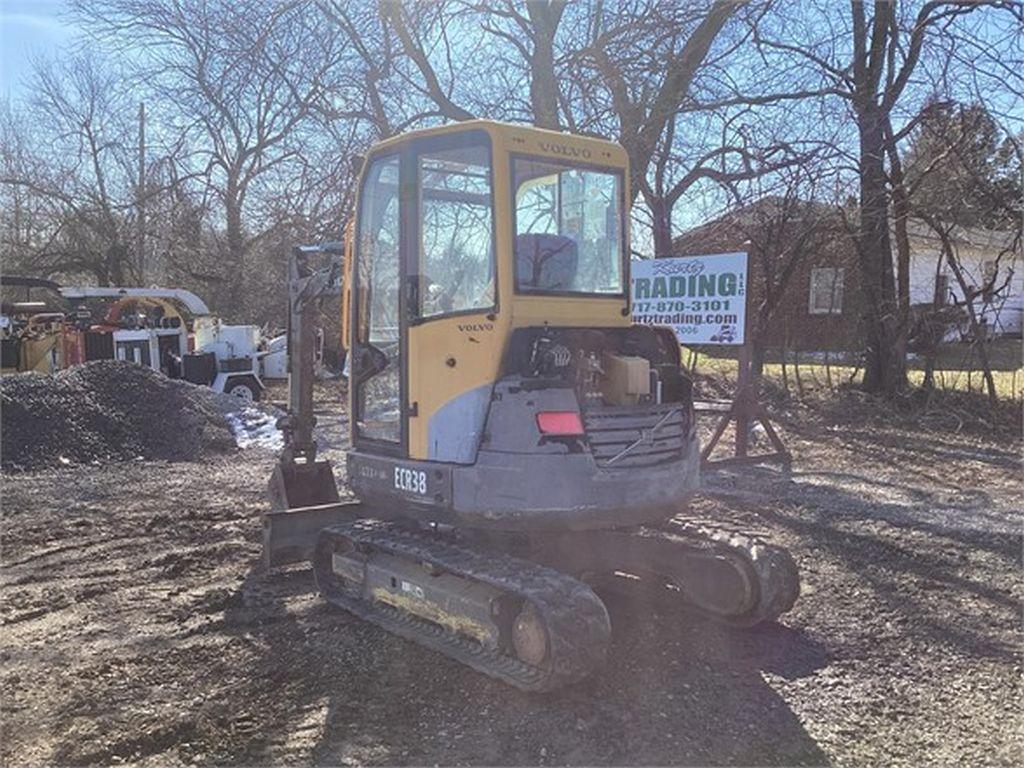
{"type": "Point", "coordinates": [82, 178]}
{"type": "Point", "coordinates": [647, 92]}
{"type": "Point", "coordinates": [532, 34]}
{"type": "Point", "coordinates": [516, 59]}
{"type": "Point", "coordinates": [244, 81]}
{"type": "Point", "coordinates": [26, 215]}
{"type": "Point", "coordinates": [783, 230]}
{"type": "Point", "coordinates": [777, 220]}
{"type": "Point", "coordinates": [873, 70]}
{"type": "Point", "coordinates": [256, 108]}
{"type": "Point", "coordinates": [979, 292]}
{"type": "Point", "coordinates": [964, 173]}
{"type": "Point", "coordinates": [376, 87]}
{"type": "Point", "coordinates": [686, 104]}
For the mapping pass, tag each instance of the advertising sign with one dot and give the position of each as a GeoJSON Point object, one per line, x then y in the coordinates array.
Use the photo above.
{"type": "Point", "coordinates": [703, 298]}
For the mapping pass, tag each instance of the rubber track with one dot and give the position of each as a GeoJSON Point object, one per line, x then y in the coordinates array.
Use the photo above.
{"type": "Point", "coordinates": [773, 568]}
{"type": "Point", "coordinates": [576, 619]}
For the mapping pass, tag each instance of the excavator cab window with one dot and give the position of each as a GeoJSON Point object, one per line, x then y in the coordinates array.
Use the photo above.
{"type": "Point", "coordinates": [378, 254]}
{"type": "Point", "coordinates": [455, 263]}
{"type": "Point", "coordinates": [568, 229]}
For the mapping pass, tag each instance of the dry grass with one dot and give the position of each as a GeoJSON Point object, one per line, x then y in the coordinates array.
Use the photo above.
{"type": "Point", "coordinates": [815, 376]}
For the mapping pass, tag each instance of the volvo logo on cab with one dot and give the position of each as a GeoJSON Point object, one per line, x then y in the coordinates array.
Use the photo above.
{"type": "Point", "coordinates": [475, 327]}
{"type": "Point", "coordinates": [562, 149]}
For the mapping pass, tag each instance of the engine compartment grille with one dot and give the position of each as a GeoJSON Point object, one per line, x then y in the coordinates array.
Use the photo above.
{"type": "Point", "coordinates": [636, 435]}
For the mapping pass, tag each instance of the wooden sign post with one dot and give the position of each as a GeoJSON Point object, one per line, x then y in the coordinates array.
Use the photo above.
{"type": "Point", "coordinates": [744, 410]}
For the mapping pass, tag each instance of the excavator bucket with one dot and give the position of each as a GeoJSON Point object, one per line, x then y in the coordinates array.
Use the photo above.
{"type": "Point", "coordinates": [304, 500]}
{"type": "Point", "coordinates": [302, 485]}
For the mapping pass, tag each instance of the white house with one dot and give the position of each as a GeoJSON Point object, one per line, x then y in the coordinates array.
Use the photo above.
{"type": "Point", "coordinates": [982, 253]}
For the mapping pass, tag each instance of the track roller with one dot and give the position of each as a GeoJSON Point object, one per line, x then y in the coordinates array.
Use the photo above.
{"type": "Point", "coordinates": [528, 625]}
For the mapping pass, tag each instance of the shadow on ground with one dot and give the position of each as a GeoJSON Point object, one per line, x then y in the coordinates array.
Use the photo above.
{"type": "Point", "coordinates": [675, 690]}
{"type": "Point", "coordinates": [930, 550]}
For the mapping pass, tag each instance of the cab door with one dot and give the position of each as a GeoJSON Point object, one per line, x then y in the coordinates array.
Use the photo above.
{"type": "Point", "coordinates": [377, 364]}
{"type": "Point", "coordinates": [454, 337]}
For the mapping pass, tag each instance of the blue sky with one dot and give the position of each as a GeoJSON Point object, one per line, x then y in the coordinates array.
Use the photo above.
{"type": "Point", "coordinates": [28, 28]}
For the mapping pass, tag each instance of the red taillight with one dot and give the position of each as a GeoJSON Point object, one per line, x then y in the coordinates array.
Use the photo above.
{"type": "Point", "coordinates": [559, 423]}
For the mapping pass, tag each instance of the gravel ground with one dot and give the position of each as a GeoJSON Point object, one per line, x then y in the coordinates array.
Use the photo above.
{"type": "Point", "coordinates": [134, 629]}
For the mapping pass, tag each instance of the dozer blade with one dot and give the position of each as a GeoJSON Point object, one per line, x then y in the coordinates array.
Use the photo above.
{"type": "Point", "coordinates": [289, 535]}
{"type": "Point", "coordinates": [527, 625]}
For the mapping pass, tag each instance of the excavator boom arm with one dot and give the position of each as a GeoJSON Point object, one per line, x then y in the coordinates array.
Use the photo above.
{"type": "Point", "coordinates": [302, 490]}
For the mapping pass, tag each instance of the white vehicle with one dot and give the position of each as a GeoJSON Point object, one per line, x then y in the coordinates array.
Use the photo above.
{"type": "Point", "coordinates": [275, 357]}
{"type": "Point", "coordinates": [236, 349]}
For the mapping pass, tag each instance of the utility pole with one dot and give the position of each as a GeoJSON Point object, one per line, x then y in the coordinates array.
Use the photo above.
{"type": "Point", "coordinates": [141, 197]}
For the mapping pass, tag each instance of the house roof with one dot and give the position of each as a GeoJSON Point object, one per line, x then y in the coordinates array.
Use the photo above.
{"type": "Point", "coordinates": [732, 222]}
{"type": "Point", "coordinates": [976, 237]}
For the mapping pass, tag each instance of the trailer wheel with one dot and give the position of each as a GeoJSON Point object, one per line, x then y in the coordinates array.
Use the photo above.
{"type": "Point", "coordinates": [245, 388]}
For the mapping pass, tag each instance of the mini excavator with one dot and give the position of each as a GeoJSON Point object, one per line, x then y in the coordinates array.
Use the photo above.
{"type": "Point", "coordinates": [518, 446]}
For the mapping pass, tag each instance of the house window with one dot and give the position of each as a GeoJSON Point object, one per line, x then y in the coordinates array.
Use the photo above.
{"type": "Point", "coordinates": [826, 291]}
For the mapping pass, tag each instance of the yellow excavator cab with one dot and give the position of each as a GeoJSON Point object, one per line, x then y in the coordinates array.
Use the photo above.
{"type": "Point", "coordinates": [464, 233]}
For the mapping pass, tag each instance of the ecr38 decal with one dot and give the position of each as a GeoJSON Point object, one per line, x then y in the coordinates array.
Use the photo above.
{"type": "Point", "coordinates": [411, 480]}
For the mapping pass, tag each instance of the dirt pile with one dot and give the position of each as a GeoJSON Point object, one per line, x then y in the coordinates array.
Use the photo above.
{"type": "Point", "coordinates": [107, 410]}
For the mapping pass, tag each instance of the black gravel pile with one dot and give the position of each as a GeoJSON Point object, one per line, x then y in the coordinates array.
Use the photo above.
{"type": "Point", "coordinates": [107, 411]}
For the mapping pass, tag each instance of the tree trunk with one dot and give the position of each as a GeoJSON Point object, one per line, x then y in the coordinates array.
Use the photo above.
{"type": "Point", "coordinates": [885, 369]}
{"type": "Point", "coordinates": [970, 293]}
{"type": "Point", "coordinates": [934, 330]}
{"type": "Point", "coordinates": [661, 226]}
{"type": "Point", "coordinates": [901, 214]}
{"type": "Point", "coordinates": [796, 373]}
{"type": "Point", "coordinates": [757, 352]}
{"type": "Point", "coordinates": [756, 340]}
{"type": "Point", "coordinates": [929, 373]}
{"type": "Point", "coordinates": [235, 262]}
{"type": "Point", "coordinates": [785, 372]}
{"type": "Point", "coordinates": [114, 261]}
{"type": "Point", "coordinates": [980, 344]}
{"type": "Point", "coordinates": [543, 80]}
